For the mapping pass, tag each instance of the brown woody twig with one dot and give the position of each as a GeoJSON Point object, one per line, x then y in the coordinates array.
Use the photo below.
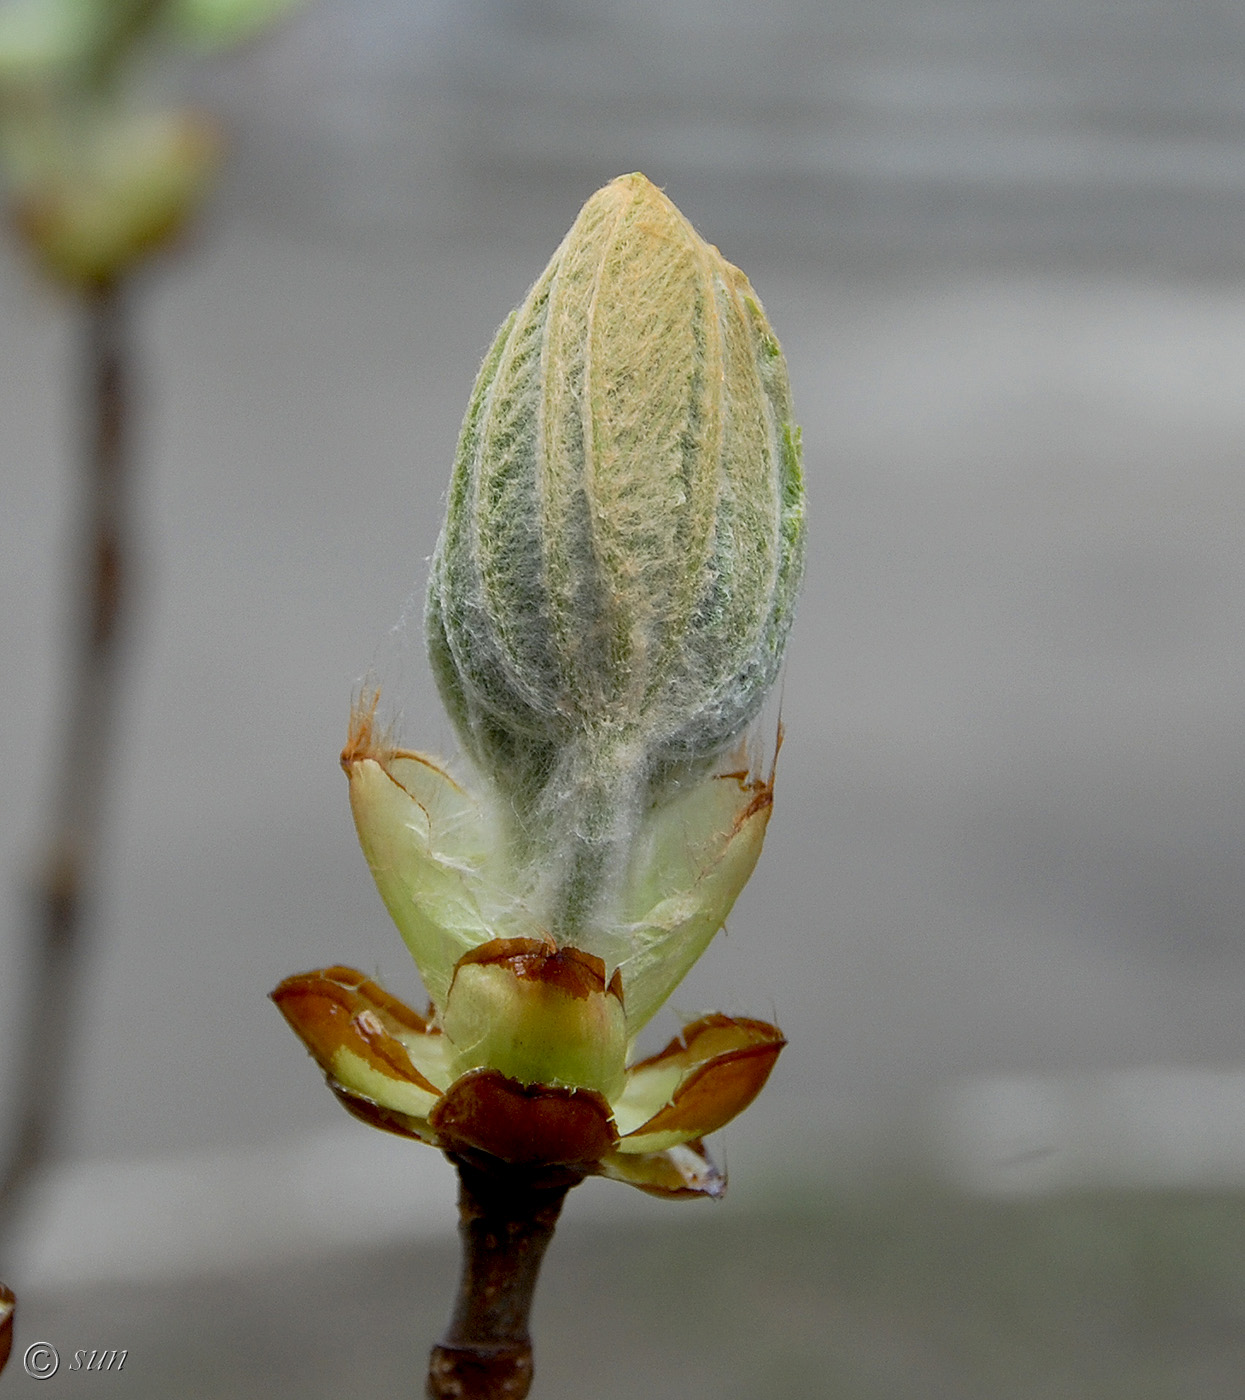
{"type": "Point", "coordinates": [65, 883]}
{"type": "Point", "coordinates": [507, 1217]}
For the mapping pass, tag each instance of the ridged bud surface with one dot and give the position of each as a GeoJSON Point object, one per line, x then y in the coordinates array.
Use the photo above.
{"type": "Point", "coordinates": [615, 580]}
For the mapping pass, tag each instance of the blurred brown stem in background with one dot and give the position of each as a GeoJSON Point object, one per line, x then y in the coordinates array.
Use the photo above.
{"type": "Point", "coordinates": [97, 185]}
{"type": "Point", "coordinates": [506, 1218]}
{"type": "Point", "coordinates": [64, 888]}
{"type": "Point", "coordinates": [8, 1305]}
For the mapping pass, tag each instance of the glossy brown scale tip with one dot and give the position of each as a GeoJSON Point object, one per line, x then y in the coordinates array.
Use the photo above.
{"type": "Point", "coordinates": [571, 971]}
{"type": "Point", "coordinates": [527, 1125]}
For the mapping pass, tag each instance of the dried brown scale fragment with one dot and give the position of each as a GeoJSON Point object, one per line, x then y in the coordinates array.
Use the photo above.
{"type": "Point", "coordinates": [763, 800]}
{"type": "Point", "coordinates": [365, 739]}
{"type": "Point", "coordinates": [761, 788]}
{"type": "Point", "coordinates": [659, 1174]}
{"type": "Point", "coordinates": [361, 738]}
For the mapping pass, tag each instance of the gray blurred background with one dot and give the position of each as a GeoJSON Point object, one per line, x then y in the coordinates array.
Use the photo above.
{"type": "Point", "coordinates": [1000, 913]}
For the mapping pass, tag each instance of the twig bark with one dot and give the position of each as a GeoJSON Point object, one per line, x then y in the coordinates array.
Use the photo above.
{"type": "Point", "coordinates": [64, 885]}
{"type": "Point", "coordinates": [506, 1218]}
{"type": "Point", "coordinates": [8, 1305]}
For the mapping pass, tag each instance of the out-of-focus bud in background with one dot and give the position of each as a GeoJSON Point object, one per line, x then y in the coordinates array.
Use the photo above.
{"type": "Point", "coordinates": [97, 178]}
{"type": "Point", "coordinates": [119, 194]}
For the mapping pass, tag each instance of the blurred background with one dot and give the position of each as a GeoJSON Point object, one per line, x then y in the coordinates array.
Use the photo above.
{"type": "Point", "coordinates": [1000, 912]}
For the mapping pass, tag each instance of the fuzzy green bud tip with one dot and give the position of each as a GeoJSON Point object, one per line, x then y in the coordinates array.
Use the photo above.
{"type": "Point", "coordinates": [616, 576]}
